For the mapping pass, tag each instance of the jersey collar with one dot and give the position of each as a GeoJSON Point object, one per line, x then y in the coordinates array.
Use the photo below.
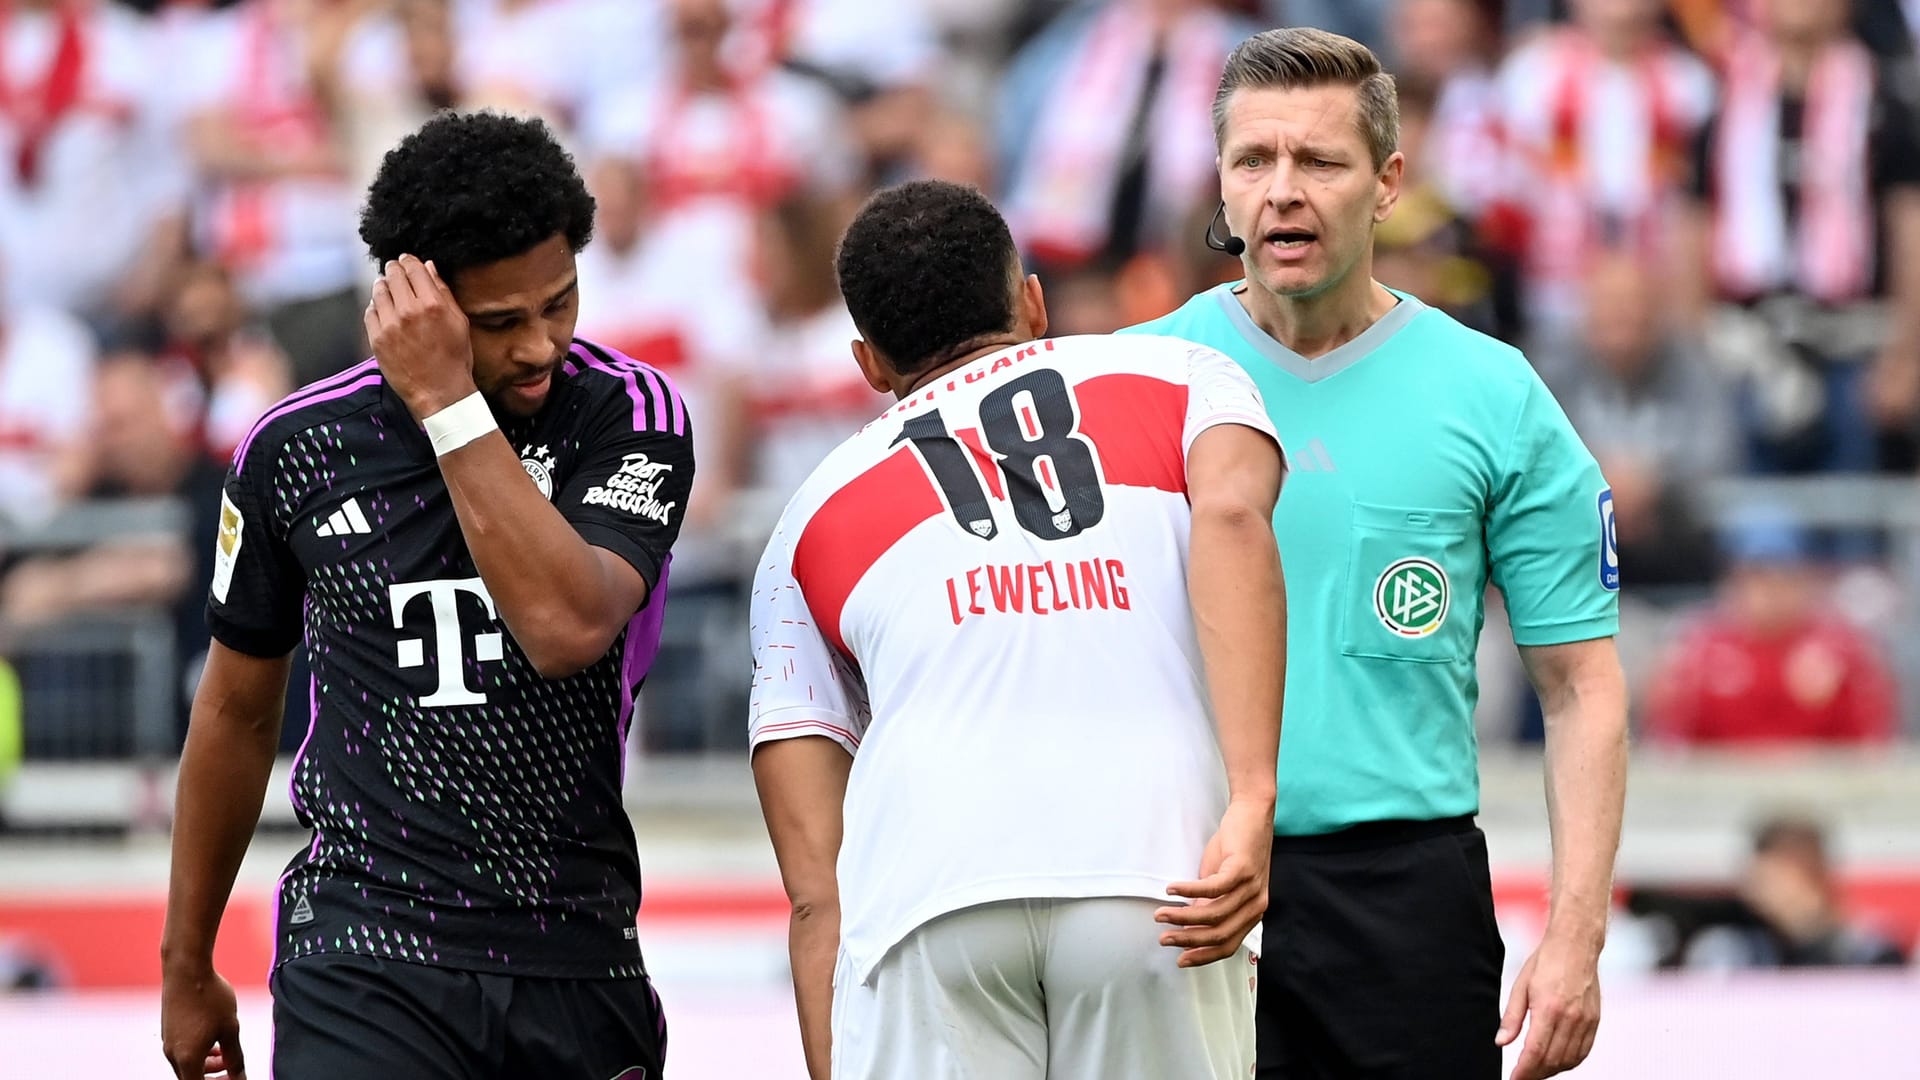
{"type": "Point", "coordinates": [1332, 363]}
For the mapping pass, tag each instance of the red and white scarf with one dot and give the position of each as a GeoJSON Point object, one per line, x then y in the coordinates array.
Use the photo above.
{"type": "Point", "coordinates": [35, 105]}
{"type": "Point", "coordinates": [1828, 252]}
{"type": "Point", "coordinates": [275, 106]}
{"type": "Point", "coordinates": [1563, 205]}
{"type": "Point", "coordinates": [1062, 202]}
{"type": "Point", "coordinates": [731, 149]}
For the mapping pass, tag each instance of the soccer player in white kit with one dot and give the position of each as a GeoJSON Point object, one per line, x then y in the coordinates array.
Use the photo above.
{"type": "Point", "coordinates": [1021, 643]}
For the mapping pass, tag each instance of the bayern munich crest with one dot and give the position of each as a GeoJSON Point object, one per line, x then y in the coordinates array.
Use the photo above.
{"type": "Point", "coordinates": [538, 461]}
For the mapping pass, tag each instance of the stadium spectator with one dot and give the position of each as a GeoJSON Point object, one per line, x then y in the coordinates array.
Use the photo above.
{"type": "Point", "coordinates": [955, 148]}
{"type": "Point", "coordinates": [218, 372]}
{"type": "Point", "coordinates": [1794, 918]}
{"type": "Point", "coordinates": [1600, 116]}
{"type": "Point", "coordinates": [275, 208]}
{"type": "Point", "coordinates": [1804, 228]}
{"type": "Point", "coordinates": [879, 60]}
{"type": "Point", "coordinates": [382, 69]}
{"type": "Point", "coordinates": [46, 375]}
{"type": "Point", "coordinates": [677, 293]}
{"type": "Point", "coordinates": [221, 366]}
{"type": "Point", "coordinates": [554, 58]}
{"type": "Point", "coordinates": [143, 442]}
{"type": "Point", "coordinates": [1654, 412]}
{"type": "Point", "coordinates": [1102, 128]}
{"type": "Point", "coordinates": [1446, 51]}
{"type": "Point", "coordinates": [709, 128]}
{"type": "Point", "coordinates": [92, 180]}
{"type": "Point", "coordinates": [706, 147]}
{"type": "Point", "coordinates": [136, 446]}
{"type": "Point", "coordinates": [1771, 663]}
{"type": "Point", "coordinates": [1428, 247]}
{"type": "Point", "coordinates": [805, 393]}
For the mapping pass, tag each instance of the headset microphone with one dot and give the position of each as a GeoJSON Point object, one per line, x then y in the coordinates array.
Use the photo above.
{"type": "Point", "coordinates": [1233, 245]}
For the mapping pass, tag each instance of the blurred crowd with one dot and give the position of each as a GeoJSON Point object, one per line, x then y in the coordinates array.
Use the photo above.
{"type": "Point", "coordinates": [1701, 218]}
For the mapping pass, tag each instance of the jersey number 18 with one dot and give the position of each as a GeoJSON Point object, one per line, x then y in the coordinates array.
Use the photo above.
{"type": "Point", "coordinates": [1049, 470]}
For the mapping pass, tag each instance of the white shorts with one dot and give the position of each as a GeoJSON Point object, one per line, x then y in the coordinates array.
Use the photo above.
{"type": "Point", "coordinates": [1044, 990]}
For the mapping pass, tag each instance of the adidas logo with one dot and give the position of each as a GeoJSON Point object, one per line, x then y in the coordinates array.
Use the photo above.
{"type": "Point", "coordinates": [302, 913]}
{"type": "Point", "coordinates": [346, 521]}
{"type": "Point", "coordinates": [1312, 457]}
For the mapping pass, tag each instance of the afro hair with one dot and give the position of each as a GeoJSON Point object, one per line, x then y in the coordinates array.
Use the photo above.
{"type": "Point", "coordinates": [927, 269]}
{"type": "Point", "coordinates": [469, 189]}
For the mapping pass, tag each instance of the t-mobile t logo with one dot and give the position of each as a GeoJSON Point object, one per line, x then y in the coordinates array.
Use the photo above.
{"type": "Point", "coordinates": [450, 654]}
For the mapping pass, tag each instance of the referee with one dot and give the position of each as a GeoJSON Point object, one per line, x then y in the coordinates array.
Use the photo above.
{"type": "Point", "coordinates": [1428, 462]}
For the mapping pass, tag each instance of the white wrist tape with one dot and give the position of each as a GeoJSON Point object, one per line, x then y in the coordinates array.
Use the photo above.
{"type": "Point", "coordinates": [459, 424]}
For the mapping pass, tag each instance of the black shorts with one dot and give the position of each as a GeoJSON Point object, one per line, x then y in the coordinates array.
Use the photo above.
{"type": "Point", "coordinates": [1381, 958]}
{"type": "Point", "coordinates": [337, 1017]}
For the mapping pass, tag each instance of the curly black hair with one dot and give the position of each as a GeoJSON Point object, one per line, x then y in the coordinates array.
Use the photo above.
{"type": "Point", "coordinates": [469, 189]}
{"type": "Point", "coordinates": [927, 270]}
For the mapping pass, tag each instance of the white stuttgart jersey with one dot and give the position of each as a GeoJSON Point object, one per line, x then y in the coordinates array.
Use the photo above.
{"type": "Point", "coordinates": [982, 596]}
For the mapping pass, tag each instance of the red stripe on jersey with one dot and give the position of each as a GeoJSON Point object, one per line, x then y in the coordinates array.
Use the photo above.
{"type": "Point", "coordinates": [853, 528]}
{"type": "Point", "coordinates": [817, 725]}
{"type": "Point", "coordinates": [982, 460]}
{"type": "Point", "coordinates": [1137, 423]}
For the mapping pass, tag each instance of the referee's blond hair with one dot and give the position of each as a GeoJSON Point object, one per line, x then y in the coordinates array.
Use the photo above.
{"type": "Point", "coordinates": [1300, 57]}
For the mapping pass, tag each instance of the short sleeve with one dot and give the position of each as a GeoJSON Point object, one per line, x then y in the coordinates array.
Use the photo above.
{"type": "Point", "coordinates": [1219, 391]}
{"type": "Point", "coordinates": [629, 492]}
{"type": "Point", "coordinates": [253, 604]}
{"type": "Point", "coordinates": [801, 684]}
{"type": "Point", "coordinates": [1550, 536]}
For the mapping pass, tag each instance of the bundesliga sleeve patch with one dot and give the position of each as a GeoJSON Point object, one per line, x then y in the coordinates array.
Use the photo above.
{"type": "Point", "coordinates": [635, 488]}
{"type": "Point", "coordinates": [1609, 545]}
{"type": "Point", "coordinates": [226, 550]}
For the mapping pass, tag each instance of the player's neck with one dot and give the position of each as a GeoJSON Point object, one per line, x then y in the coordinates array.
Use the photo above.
{"type": "Point", "coordinates": [1314, 326]}
{"type": "Point", "coordinates": [1006, 341]}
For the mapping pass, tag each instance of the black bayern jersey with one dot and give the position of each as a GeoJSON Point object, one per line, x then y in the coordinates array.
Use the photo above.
{"type": "Point", "coordinates": [465, 811]}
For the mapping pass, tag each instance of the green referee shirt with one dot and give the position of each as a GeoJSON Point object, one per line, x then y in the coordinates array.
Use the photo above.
{"type": "Point", "coordinates": [1427, 461]}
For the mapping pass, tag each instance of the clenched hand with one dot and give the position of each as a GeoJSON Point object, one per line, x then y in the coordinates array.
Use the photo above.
{"type": "Point", "coordinates": [200, 1026]}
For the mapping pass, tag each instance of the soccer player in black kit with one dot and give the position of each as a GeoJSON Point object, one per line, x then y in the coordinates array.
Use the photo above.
{"type": "Point", "coordinates": [472, 532]}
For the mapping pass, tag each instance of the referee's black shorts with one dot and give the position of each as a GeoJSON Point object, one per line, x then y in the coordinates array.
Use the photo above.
{"type": "Point", "coordinates": [1380, 958]}
{"type": "Point", "coordinates": [344, 1017]}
